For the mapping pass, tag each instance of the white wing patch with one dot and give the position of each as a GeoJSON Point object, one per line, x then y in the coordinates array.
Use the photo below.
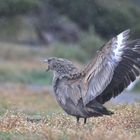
{"type": "Point", "coordinates": [120, 44]}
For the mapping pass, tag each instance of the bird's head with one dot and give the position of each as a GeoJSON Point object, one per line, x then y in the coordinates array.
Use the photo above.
{"type": "Point", "coordinates": [59, 66]}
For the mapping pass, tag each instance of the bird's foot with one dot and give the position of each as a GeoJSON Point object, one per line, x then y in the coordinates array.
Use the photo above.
{"type": "Point", "coordinates": [77, 118]}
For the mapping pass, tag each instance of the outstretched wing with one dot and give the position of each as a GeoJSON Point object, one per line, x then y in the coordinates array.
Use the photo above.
{"type": "Point", "coordinates": [99, 73]}
{"type": "Point", "coordinates": [125, 73]}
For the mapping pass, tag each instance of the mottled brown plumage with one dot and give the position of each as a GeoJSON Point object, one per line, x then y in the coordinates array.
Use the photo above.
{"type": "Point", "coordinates": [82, 93]}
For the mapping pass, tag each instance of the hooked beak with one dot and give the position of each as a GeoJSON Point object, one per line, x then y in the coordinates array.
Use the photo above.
{"type": "Point", "coordinates": [46, 61]}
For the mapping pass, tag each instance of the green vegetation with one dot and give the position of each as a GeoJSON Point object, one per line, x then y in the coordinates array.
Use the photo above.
{"type": "Point", "coordinates": [137, 87]}
{"type": "Point", "coordinates": [10, 8]}
{"type": "Point", "coordinates": [108, 17]}
{"type": "Point", "coordinates": [25, 65]}
{"type": "Point", "coordinates": [90, 43]}
{"type": "Point", "coordinates": [20, 136]}
{"type": "Point", "coordinates": [69, 51]}
{"type": "Point", "coordinates": [23, 76]}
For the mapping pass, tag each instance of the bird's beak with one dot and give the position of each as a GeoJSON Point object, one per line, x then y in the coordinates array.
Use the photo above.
{"type": "Point", "coordinates": [46, 62]}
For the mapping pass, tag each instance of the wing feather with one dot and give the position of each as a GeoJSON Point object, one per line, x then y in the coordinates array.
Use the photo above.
{"type": "Point", "coordinates": [125, 73]}
{"type": "Point", "coordinates": [99, 73]}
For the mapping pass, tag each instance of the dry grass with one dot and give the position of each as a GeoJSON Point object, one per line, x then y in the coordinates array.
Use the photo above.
{"type": "Point", "coordinates": [29, 113]}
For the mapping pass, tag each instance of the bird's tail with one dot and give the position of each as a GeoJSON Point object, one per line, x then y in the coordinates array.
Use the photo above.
{"type": "Point", "coordinates": [105, 111]}
{"type": "Point", "coordinates": [100, 109]}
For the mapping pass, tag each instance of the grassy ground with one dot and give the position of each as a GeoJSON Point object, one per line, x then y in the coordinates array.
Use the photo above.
{"type": "Point", "coordinates": [27, 113]}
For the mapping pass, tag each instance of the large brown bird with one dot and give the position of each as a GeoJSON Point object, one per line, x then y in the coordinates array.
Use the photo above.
{"type": "Point", "coordinates": [82, 93]}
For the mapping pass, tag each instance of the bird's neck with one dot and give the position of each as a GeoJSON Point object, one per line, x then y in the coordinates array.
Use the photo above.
{"type": "Point", "coordinates": [55, 81]}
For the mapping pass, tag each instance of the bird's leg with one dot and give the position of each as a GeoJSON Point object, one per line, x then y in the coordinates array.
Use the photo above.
{"type": "Point", "coordinates": [85, 120]}
{"type": "Point", "coordinates": [77, 120]}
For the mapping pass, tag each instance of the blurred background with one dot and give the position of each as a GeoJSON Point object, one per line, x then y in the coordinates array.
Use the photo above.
{"type": "Point", "coordinates": [31, 30]}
